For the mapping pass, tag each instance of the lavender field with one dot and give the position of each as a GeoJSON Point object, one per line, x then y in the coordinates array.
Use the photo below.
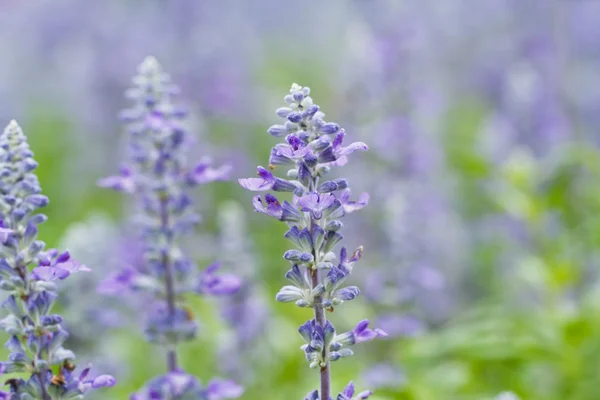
{"type": "Point", "coordinates": [345, 199]}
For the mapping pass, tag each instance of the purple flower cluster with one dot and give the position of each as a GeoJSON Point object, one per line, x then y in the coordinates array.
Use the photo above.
{"type": "Point", "coordinates": [312, 147]}
{"type": "Point", "coordinates": [158, 176]}
{"type": "Point", "coordinates": [36, 335]}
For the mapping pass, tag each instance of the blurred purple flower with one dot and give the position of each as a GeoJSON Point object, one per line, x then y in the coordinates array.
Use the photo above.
{"type": "Point", "coordinates": [216, 285]}
{"type": "Point", "coordinates": [159, 178]}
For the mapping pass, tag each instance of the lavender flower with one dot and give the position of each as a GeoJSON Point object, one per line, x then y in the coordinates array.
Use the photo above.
{"type": "Point", "coordinates": [312, 147]}
{"type": "Point", "coordinates": [36, 335]}
{"type": "Point", "coordinates": [158, 176]}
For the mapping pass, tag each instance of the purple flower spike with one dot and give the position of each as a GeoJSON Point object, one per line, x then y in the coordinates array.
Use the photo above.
{"type": "Point", "coordinates": [160, 179]}
{"type": "Point", "coordinates": [311, 149]}
{"type": "Point", "coordinates": [36, 342]}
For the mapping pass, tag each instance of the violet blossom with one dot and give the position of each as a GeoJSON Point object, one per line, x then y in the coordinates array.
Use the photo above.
{"type": "Point", "coordinates": [159, 177]}
{"type": "Point", "coordinates": [312, 147]}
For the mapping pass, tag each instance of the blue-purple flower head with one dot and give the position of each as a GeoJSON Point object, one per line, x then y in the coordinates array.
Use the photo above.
{"type": "Point", "coordinates": [178, 385]}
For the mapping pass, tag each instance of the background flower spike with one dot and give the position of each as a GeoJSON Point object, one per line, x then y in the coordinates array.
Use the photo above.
{"type": "Point", "coordinates": [158, 176]}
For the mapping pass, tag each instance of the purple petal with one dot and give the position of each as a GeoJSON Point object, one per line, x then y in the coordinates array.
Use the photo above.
{"type": "Point", "coordinates": [339, 138]}
{"type": "Point", "coordinates": [204, 173]}
{"type": "Point", "coordinates": [309, 202]}
{"type": "Point", "coordinates": [348, 293]}
{"type": "Point", "coordinates": [351, 206]}
{"type": "Point", "coordinates": [225, 284]}
{"type": "Point", "coordinates": [119, 183]}
{"type": "Point", "coordinates": [255, 184]}
{"type": "Point", "coordinates": [326, 200]}
{"type": "Point", "coordinates": [364, 334]}
{"type": "Point", "coordinates": [85, 372]}
{"type": "Point", "coordinates": [73, 266]}
{"type": "Point", "coordinates": [354, 147]}
{"type": "Point", "coordinates": [289, 152]}
{"type": "Point", "coordinates": [340, 162]}
{"type": "Point", "coordinates": [49, 273]}
{"type": "Point", "coordinates": [273, 207]}
{"type": "Point", "coordinates": [218, 284]}
{"type": "Point", "coordinates": [363, 395]}
{"type": "Point", "coordinates": [265, 174]}
{"type": "Point", "coordinates": [218, 389]}
{"type": "Point", "coordinates": [212, 268]}
{"type": "Point", "coordinates": [117, 283]}
{"type": "Point", "coordinates": [380, 332]}
{"type": "Point", "coordinates": [349, 390]}
{"type": "Point", "coordinates": [4, 233]}
{"type": "Point", "coordinates": [361, 326]}
{"type": "Point", "coordinates": [103, 381]}
{"type": "Point", "coordinates": [62, 257]}
{"type": "Point", "coordinates": [316, 202]}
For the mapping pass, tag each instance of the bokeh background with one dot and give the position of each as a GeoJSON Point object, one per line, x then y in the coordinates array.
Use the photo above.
{"type": "Point", "coordinates": [483, 228]}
